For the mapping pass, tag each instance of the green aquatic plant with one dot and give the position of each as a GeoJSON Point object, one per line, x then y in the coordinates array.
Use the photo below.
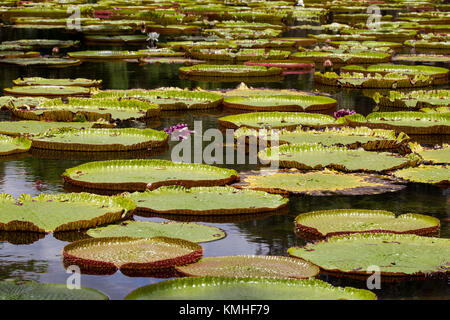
{"type": "Point", "coordinates": [206, 201]}
{"type": "Point", "coordinates": [61, 212]}
{"type": "Point", "coordinates": [225, 288]}
{"type": "Point", "coordinates": [327, 223]}
{"type": "Point", "coordinates": [250, 266]}
{"type": "Point", "coordinates": [309, 156]}
{"type": "Point", "coordinates": [142, 229]}
{"type": "Point", "coordinates": [396, 255]}
{"type": "Point", "coordinates": [316, 183]}
{"type": "Point", "coordinates": [140, 175]}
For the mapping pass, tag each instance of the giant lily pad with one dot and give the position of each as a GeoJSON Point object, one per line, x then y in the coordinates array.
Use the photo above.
{"type": "Point", "coordinates": [316, 183]}
{"type": "Point", "coordinates": [206, 201]}
{"type": "Point", "coordinates": [26, 128]}
{"type": "Point", "coordinates": [280, 103]}
{"type": "Point", "coordinates": [225, 288]}
{"type": "Point", "coordinates": [327, 223]}
{"type": "Point", "coordinates": [347, 58]}
{"type": "Point", "coordinates": [61, 212]}
{"type": "Point", "coordinates": [360, 80]}
{"type": "Point", "coordinates": [100, 139]}
{"type": "Point", "coordinates": [105, 55]}
{"type": "Point", "coordinates": [437, 155]}
{"type": "Point", "coordinates": [10, 145]}
{"type": "Point", "coordinates": [42, 62]}
{"type": "Point", "coordinates": [314, 156]}
{"type": "Point", "coordinates": [421, 58]}
{"type": "Point", "coordinates": [408, 122]}
{"type": "Point", "coordinates": [414, 99]}
{"type": "Point", "coordinates": [440, 75]}
{"type": "Point", "coordinates": [250, 266]}
{"type": "Point", "coordinates": [69, 109]}
{"type": "Point", "coordinates": [133, 256]}
{"type": "Point", "coordinates": [168, 98]}
{"type": "Point", "coordinates": [139, 175]}
{"type": "Point", "coordinates": [141, 229]}
{"type": "Point", "coordinates": [397, 255]}
{"type": "Point", "coordinates": [352, 138]}
{"type": "Point", "coordinates": [207, 70]}
{"type": "Point", "coordinates": [432, 174]}
{"type": "Point", "coordinates": [31, 290]}
{"type": "Point", "coordinates": [277, 120]}
{"type": "Point", "coordinates": [43, 43]}
{"type": "Point", "coordinates": [39, 81]}
{"type": "Point", "coordinates": [48, 91]}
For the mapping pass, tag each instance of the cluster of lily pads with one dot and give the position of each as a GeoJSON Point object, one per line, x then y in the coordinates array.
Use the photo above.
{"type": "Point", "coordinates": [316, 154]}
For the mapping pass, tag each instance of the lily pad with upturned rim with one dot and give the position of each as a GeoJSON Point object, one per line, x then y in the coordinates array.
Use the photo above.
{"type": "Point", "coordinates": [61, 212]}
{"type": "Point", "coordinates": [437, 155]}
{"type": "Point", "coordinates": [140, 175]}
{"type": "Point", "coordinates": [280, 103]}
{"type": "Point", "coordinates": [225, 288]}
{"type": "Point", "coordinates": [328, 223]}
{"type": "Point", "coordinates": [39, 81]}
{"type": "Point", "coordinates": [207, 70]}
{"type": "Point", "coordinates": [31, 290]}
{"type": "Point", "coordinates": [27, 128]}
{"type": "Point", "coordinates": [277, 120]}
{"type": "Point", "coordinates": [352, 138]}
{"type": "Point", "coordinates": [142, 229]}
{"type": "Point", "coordinates": [250, 266]}
{"type": "Point", "coordinates": [100, 140]}
{"type": "Point", "coordinates": [317, 183]}
{"type": "Point", "coordinates": [431, 174]}
{"type": "Point", "coordinates": [9, 145]}
{"type": "Point", "coordinates": [308, 156]}
{"type": "Point", "coordinates": [48, 91]}
{"type": "Point", "coordinates": [42, 62]}
{"type": "Point", "coordinates": [398, 256]}
{"type": "Point", "coordinates": [206, 201]}
{"type": "Point", "coordinates": [132, 256]}
{"type": "Point", "coordinates": [92, 109]}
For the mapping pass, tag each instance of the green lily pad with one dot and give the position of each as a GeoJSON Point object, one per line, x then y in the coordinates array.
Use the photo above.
{"type": "Point", "coordinates": [141, 229]}
{"type": "Point", "coordinates": [414, 99]}
{"type": "Point", "coordinates": [39, 81]}
{"type": "Point", "coordinates": [407, 122]}
{"type": "Point", "coordinates": [61, 212]}
{"type": "Point", "coordinates": [250, 266]}
{"type": "Point", "coordinates": [396, 255]}
{"type": "Point", "coordinates": [96, 140]}
{"type": "Point", "coordinates": [42, 62]}
{"type": "Point", "coordinates": [9, 145]}
{"type": "Point", "coordinates": [225, 288]}
{"type": "Point", "coordinates": [31, 290]}
{"type": "Point", "coordinates": [432, 174]}
{"type": "Point", "coordinates": [439, 155]}
{"type": "Point", "coordinates": [161, 52]}
{"type": "Point", "coordinates": [48, 91]}
{"type": "Point", "coordinates": [105, 54]}
{"type": "Point", "coordinates": [168, 98]}
{"type": "Point", "coordinates": [280, 103]}
{"type": "Point", "coordinates": [133, 256]}
{"type": "Point", "coordinates": [316, 183]}
{"type": "Point", "coordinates": [347, 58]}
{"type": "Point", "coordinates": [352, 138]}
{"type": "Point", "coordinates": [361, 80]}
{"type": "Point", "coordinates": [327, 223]}
{"type": "Point", "coordinates": [26, 128]}
{"type": "Point", "coordinates": [140, 175]}
{"type": "Point", "coordinates": [209, 70]}
{"type": "Point", "coordinates": [206, 201]}
{"type": "Point", "coordinates": [277, 120]}
{"type": "Point", "coordinates": [307, 156]}
{"type": "Point", "coordinates": [92, 109]}
{"type": "Point", "coordinates": [421, 58]}
{"type": "Point", "coordinates": [116, 39]}
{"type": "Point", "coordinates": [43, 43]}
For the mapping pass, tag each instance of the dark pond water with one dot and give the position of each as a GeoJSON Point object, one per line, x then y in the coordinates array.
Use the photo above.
{"type": "Point", "coordinates": [41, 259]}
